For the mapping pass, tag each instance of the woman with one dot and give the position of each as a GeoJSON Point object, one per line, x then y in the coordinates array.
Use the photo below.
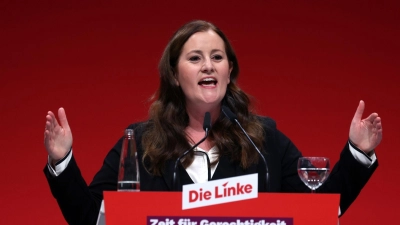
{"type": "Point", "coordinates": [198, 73]}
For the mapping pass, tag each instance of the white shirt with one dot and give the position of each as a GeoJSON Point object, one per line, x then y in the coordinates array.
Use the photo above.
{"type": "Point", "coordinates": [198, 170]}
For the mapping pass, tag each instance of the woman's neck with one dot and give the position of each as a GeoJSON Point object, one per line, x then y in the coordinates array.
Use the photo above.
{"type": "Point", "coordinates": [196, 116]}
{"type": "Point", "coordinates": [194, 130]}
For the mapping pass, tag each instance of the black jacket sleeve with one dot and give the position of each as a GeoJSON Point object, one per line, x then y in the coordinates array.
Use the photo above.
{"type": "Point", "coordinates": [80, 203]}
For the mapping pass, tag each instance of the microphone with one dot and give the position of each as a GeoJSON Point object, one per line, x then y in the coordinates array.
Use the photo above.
{"type": "Point", "coordinates": [206, 128]}
{"type": "Point", "coordinates": [233, 118]}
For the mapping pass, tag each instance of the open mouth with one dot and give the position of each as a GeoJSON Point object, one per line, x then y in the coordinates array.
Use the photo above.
{"type": "Point", "coordinates": [208, 82]}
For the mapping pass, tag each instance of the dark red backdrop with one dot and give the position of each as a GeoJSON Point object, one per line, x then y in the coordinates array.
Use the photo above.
{"type": "Point", "coordinates": [307, 65]}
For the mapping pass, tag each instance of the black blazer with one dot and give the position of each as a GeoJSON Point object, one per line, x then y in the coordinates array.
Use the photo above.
{"type": "Point", "coordinates": [80, 203]}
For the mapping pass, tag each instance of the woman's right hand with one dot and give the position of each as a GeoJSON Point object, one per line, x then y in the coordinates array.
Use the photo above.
{"type": "Point", "coordinates": [57, 138]}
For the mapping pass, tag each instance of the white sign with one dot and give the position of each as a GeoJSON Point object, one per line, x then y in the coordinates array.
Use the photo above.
{"type": "Point", "coordinates": [220, 191]}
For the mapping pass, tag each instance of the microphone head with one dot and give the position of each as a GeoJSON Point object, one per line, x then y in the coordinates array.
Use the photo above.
{"type": "Point", "coordinates": [228, 113]}
{"type": "Point", "coordinates": [207, 121]}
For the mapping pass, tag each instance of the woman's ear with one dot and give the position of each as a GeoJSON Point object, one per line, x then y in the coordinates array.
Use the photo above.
{"type": "Point", "coordinates": [176, 79]}
{"type": "Point", "coordinates": [230, 70]}
{"type": "Point", "coordinates": [175, 75]}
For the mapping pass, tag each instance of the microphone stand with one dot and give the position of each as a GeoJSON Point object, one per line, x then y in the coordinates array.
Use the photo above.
{"type": "Point", "coordinates": [232, 117]}
{"type": "Point", "coordinates": [206, 127]}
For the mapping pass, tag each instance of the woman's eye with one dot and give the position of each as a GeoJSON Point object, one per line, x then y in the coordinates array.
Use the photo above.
{"type": "Point", "coordinates": [194, 58]}
{"type": "Point", "coordinates": [217, 57]}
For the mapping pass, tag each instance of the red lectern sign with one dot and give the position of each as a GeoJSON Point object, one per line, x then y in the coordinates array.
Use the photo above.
{"type": "Point", "coordinates": [165, 208]}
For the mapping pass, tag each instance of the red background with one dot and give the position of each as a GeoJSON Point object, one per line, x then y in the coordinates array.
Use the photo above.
{"type": "Point", "coordinates": [307, 63]}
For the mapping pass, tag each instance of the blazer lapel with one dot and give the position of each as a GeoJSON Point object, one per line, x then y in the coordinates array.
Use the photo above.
{"type": "Point", "coordinates": [226, 168]}
{"type": "Point", "coordinates": [182, 177]}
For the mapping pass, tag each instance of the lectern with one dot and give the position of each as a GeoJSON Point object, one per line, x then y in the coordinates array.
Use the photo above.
{"type": "Point", "coordinates": [165, 208]}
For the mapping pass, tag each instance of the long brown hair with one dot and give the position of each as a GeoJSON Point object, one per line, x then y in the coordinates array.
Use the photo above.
{"type": "Point", "coordinates": [164, 137]}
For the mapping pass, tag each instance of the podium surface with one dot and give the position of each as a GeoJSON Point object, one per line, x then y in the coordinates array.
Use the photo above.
{"type": "Point", "coordinates": [165, 208]}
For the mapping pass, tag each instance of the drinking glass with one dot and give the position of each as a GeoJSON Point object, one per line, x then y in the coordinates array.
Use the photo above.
{"type": "Point", "coordinates": [313, 171]}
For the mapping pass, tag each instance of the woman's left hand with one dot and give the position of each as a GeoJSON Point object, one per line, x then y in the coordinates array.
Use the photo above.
{"type": "Point", "coordinates": [366, 133]}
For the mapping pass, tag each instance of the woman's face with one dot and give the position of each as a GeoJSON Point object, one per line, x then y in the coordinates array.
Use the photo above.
{"type": "Point", "coordinates": [203, 70]}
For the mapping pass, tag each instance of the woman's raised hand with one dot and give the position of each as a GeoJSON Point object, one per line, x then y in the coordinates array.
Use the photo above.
{"type": "Point", "coordinates": [366, 133]}
{"type": "Point", "coordinates": [57, 137]}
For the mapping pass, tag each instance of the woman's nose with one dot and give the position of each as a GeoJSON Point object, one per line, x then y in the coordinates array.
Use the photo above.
{"type": "Point", "coordinates": [208, 66]}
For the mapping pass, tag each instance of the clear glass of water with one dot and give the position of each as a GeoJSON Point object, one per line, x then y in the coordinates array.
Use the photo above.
{"type": "Point", "coordinates": [313, 171]}
{"type": "Point", "coordinates": [128, 174]}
